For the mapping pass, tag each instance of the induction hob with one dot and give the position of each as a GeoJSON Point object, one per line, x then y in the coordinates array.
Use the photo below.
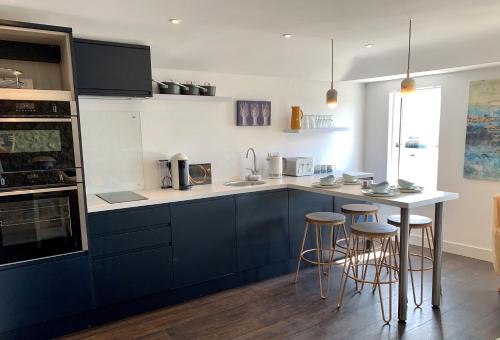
{"type": "Point", "coordinates": [121, 196]}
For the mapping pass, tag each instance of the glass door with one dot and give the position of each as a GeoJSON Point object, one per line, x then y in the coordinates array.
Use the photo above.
{"type": "Point", "coordinates": [419, 150]}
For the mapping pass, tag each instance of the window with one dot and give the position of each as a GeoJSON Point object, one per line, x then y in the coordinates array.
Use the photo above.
{"type": "Point", "coordinates": [419, 137]}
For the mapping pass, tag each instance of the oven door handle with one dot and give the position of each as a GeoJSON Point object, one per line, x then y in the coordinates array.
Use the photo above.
{"type": "Point", "coordinates": [35, 120]}
{"type": "Point", "coordinates": [38, 191]}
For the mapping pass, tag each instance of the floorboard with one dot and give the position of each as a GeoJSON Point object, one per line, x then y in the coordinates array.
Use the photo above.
{"type": "Point", "coordinates": [279, 309]}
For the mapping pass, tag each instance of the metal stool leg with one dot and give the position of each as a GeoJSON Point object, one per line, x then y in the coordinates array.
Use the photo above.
{"type": "Point", "coordinates": [319, 247]}
{"type": "Point", "coordinates": [378, 269]}
{"type": "Point", "coordinates": [306, 225]}
{"type": "Point", "coordinates": [345, 270]}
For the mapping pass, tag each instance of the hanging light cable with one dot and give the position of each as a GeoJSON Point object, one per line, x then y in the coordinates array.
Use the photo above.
{"type": "Point", "coordinates": [408, 85]}
{"type": "Point", "coordinates": [331, 94]}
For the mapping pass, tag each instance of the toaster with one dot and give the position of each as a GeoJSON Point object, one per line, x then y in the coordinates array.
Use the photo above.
{"type": "Point", "coordinates": [298, 166]}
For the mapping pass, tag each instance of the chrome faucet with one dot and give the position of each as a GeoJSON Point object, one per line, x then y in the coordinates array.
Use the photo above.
{"type": "Point", "coordinates": [254, 170]}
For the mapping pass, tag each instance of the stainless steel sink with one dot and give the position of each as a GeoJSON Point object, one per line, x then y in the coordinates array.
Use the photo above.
{"type": "Point", "coordinates": [244, 183]}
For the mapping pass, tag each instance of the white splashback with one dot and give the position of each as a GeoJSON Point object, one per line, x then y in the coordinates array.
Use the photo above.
{"type": "Point", "coordinates": [207, 133]}
{"type": "Point", "coordinates": [112, 149]}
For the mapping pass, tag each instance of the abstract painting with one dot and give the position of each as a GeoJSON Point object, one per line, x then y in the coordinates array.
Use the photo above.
{"type": "Point", "coordinates": [253, 113]}
{"type": "Point", "coordinates": [482, 142]}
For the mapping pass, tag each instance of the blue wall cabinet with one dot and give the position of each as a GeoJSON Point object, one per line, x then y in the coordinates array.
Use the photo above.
{"type": "Point", "coordinates": [301, 203]}
{"type": "Point", "coordinates": [44, 291]}
{"type": "Point", "coordinates": [262, 228]}
{"type": "Point", "coordinates": [112, 69]}
{"type": "Point", "coordinates": [203, 240]}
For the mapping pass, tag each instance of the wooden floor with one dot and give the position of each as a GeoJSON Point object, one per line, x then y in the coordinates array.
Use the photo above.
{"type": "Point", "coordinates": [278, 309]}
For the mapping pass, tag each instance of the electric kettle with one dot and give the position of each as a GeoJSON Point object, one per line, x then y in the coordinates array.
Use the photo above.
{"type": "Point", "coordinates": [275, 165]}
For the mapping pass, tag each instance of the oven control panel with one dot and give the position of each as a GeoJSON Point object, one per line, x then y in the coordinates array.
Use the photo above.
{"type": "Point", "coordinates": [34, 108]}
{"type": "Point", "coordinates": [38, 179]}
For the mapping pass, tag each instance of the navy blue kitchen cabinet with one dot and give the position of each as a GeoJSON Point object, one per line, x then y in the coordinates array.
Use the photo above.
{"type": "Point", "coordinates": [43, 291]}
{"type": "Point", "coordinates": [262, 228]}
{"type": "Point", "coordinates": [131, 253]}
{"type": "Point", "coordinates": [203, 240]}
{"type": "Point", "coordinates": [112, 69]}
{"type": "Point", "coordinates": [301, 203]}
{"type": "Point", "coordinates": [132, 275]}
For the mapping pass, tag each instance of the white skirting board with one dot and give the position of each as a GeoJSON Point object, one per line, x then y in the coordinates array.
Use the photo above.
{"type": "Point", "coordinates": [460, 249]}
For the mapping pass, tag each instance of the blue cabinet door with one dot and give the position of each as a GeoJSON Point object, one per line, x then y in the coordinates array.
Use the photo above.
{"type": "Point", "coordinates": [112, 69]}
{"type": "Point", "coordinates": [301, 203]}
{"type": "Point", "coordinates": [203, 240]}
{"type": "Point", "coordinates": [132, 275]}
{"type": "Point", "coordinates": [262, 228]}
{"type": "Point", "coordinates": [44, 291]}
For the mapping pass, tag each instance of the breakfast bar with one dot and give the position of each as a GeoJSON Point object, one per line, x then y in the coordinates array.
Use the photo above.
{"type": "Point", "coordinates": [404, 201]}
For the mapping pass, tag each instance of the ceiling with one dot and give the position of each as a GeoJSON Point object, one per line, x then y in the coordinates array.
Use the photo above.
{"type": "Point", "coordinates": [244, 36]}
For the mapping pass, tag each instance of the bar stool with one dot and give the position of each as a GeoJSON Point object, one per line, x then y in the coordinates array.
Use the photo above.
{"type": "Point", "coordinates": [356, 211]}
{"type": "Point", "coordinates": [321, 219]}
{"type": "Point", "coordinates": [425, 225]}
{"type": "Point", "coordinates": [383, 234]}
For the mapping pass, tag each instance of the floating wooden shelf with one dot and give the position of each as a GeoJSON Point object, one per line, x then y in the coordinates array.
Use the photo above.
{"type": "Point", "coordinates": [30, 94]}
{"type": "Point", "coordinates": [334, 129]}
{"type": "Point", "coordinates": [187, 98]}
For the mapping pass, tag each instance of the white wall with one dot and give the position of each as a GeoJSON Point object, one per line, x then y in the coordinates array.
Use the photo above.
{"type": "Point", "coordinates": [207, 132]}
{"type": "Point", "coordinates": [467, 221]}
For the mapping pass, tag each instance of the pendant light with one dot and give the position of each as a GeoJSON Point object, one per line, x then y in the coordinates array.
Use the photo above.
{"type": "Point", "coordinates": [408, 85]}
{"type": "Point", "coordinates": [331, 94]}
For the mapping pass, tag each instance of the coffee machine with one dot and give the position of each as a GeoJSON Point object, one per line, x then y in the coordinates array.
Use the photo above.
{"type": "Point", "coordinates": [180, 171]}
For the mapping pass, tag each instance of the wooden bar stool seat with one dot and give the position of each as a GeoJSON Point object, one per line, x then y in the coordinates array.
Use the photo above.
{"type": "Point", "coordinates": [416, 221]}
{"type": "Point", "coordinates": [359, 209]}
{"type": "Point", "coordinates": [321, 220]}
{"type": "Point", "coordinates": [357, 258]}
{"type": "Point", "coordinates": [325, 217]}
{"type": "Point", "coordinates": [424, 224]}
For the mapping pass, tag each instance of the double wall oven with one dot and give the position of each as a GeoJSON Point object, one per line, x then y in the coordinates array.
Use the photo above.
{"type": "Point", "coordinates": [42, 209]}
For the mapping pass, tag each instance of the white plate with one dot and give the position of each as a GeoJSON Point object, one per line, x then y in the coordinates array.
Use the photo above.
{"type": "Point", "coordinates": [327, 186]}
{"type": "Point", "coordinates": [352, 182]}
{"type": "Point", "coordinates": [415, 189]}
{"type": "Point", "coordinates": [369, 192]}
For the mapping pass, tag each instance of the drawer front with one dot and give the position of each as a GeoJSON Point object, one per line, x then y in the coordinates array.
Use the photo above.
{"type": "Point", "coordinates": [132, 275]}
{"type": "Point", "coordinates": [117, 243]}
{"type": "Point", "coordinates": [128, 220]}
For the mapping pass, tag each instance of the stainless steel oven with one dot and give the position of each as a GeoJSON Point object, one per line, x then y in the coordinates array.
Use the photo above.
{"type": "Point", "coordinates": [40, 223]}
{"type": "Point", "coordinates": [42, 210]}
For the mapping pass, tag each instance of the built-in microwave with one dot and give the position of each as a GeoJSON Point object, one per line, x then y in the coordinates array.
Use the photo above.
{"type": "Point", "coordinates": [38, 150]}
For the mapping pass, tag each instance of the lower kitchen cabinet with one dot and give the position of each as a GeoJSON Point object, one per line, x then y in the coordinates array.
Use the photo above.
{"type": "Point", "coordinates": [262, 228]}
{"type": "Point", "coordinates": [44, 291]}
{"type": "Point", "coordinates": [301, 203]}
{"type": "Point", "coordinates": [203, 240]}
{"type": "Point", "coordinates": [132, 275]}
{"type": "Point", "coordinates": [131, 253]}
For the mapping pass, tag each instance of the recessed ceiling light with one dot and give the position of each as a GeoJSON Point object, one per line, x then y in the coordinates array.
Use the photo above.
{"type": "Point", "coordinates": [287, 35]}
{"type": "Point", "coordinates": [369, 45]}
{"type": "Point", "coordinates": [175, 21]}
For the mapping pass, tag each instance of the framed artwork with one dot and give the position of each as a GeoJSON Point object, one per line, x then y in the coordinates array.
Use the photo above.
{"type": "Point", "coordinates": [482, 142]}
{"type": "Point", "coordinates": [253, 113]}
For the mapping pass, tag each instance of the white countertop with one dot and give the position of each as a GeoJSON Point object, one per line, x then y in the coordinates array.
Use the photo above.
{"type": "Point", "coordinates": [162, 196]}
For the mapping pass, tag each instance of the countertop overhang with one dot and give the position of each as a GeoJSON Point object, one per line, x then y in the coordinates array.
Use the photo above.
{"type": "Point", "coordinates": [218, 189]}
